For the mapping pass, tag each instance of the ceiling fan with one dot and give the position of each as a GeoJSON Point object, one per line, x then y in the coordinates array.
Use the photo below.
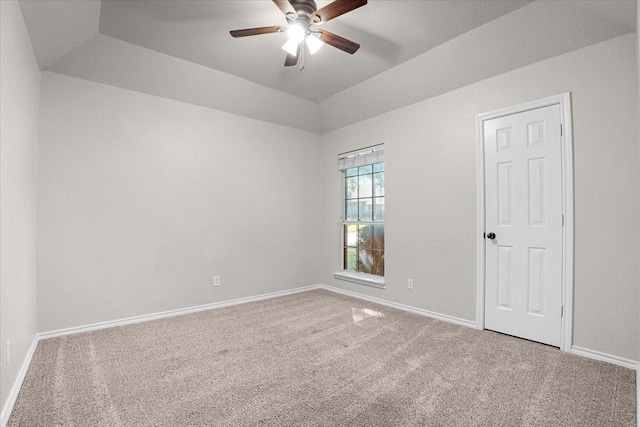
{"type": "Point", "coordinates": [301, 16]}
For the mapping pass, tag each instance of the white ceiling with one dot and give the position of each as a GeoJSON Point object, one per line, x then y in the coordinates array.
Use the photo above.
{"type": "Point", "coordinates": [58, 27]}
{"type": "Point", "coordinates": [182, 50]}
{"type": "Point", "coordinates": [389, 32]}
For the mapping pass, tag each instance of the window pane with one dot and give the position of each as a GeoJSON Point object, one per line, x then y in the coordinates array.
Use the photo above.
{"type": "Point", "coordinates": [364, 201]}
{"type": "Point", "coordinates": [351, 172]}
{"type": "Point", "coordinates": [351, 187]}
{"type": "Point", "coordinates": [351, 235]}
{"type": "Point", "coordinates": [365, 208]}
{"type": "Point", "coordinates": [378, 184]}
{"type": "Point", "coordinates": [378, 237]}
{"type": "Point", "coordinates": [365, 261]}
{"type": "Point", "coordinates": [352, 210]}
{"type": "Point", "coordinates": [365, 188]}
{"type": "Point", "coordinates": [378, 212]}
{"type": "Point", "coordinates": [362, 170]}
{"type": "Point", "coordinates": [378, 263]}
{"type": "Point", "coordinates": [365, 236]}
{"type": "Point", "coordinates": [350, 259]}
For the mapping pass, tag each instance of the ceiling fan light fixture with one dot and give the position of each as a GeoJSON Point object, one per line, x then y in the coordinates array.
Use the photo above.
{"type": "Point", "coordinates": [297, 32]}
{"type": "Point", "coordinates": [313, 43]}
{"type": "Point", "coordinates": [291, 47]}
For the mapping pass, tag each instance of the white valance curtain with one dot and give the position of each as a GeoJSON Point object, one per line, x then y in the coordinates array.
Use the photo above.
{"type": "Point", "coordinates": [361, 157]}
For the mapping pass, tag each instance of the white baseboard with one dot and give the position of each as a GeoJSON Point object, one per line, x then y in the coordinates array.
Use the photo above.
{"type": "Point", "coordinates": [169, 313]}
{"type": "Point", "coordinates": [17, 385]}
{"type": "Point", "coordinates": [415, 310]}
{"type": "Point", "coordinates": [604, 357]}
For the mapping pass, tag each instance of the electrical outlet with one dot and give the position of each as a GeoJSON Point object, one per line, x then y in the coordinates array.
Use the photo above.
{"type": "Point", "coordinates": [7, 350]}
{"type": "Point", "coordinates": [410, 283]}
{"type": "Point", "coordinates": [216, 280]}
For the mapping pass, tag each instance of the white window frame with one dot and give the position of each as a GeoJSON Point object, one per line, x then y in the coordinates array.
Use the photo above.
{"type": "Point", "coordinates": [358, 158]}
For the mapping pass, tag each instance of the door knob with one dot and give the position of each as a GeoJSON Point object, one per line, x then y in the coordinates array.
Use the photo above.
{"type": "Point", "coordinates": [491, 236]}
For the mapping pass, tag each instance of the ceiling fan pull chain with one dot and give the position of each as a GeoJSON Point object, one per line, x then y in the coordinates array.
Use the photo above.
{"type": "Point", "coordinates": [302, 49]}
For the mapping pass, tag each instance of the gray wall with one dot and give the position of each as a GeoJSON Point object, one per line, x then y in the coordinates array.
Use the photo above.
{"type": "Point", "coordinates": [430, 219]}
{"type": "Point", "coordinates": [19, 85]}
{"type": "Point", "coordinates": [142, 200]}
{"type": "Point", "coordinates": [638, 131]}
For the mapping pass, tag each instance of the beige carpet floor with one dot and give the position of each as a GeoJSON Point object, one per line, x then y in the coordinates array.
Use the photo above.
{"type": "Point", "coordinates": [315, 359]}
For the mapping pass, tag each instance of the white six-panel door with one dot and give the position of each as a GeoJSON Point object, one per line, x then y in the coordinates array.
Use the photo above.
{"type": "Point", "coordinates": [523, 208]}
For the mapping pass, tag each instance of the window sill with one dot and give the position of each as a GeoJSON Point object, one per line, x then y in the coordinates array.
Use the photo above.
{"type": "Point", "coordinates": [360, 278]}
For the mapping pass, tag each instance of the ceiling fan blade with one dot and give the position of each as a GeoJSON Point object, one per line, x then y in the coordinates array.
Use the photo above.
{"type": "Point", "coordinates": [337, 8]}
{"type": "Point", "coordinates": [285, 6]}
{"type": "Point", "coordinates": [255, 31]}
{"type": "Point", "coordinates": [291, 59]}
{"type": "Point", "coordinates": [338, 42]}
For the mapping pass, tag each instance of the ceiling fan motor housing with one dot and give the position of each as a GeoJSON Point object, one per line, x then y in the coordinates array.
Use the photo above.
{"type": "Point", "coordinates": [304, 9]}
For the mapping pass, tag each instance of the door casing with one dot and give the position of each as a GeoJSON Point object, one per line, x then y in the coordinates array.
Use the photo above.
{"type": "Point", "coordinates": [564, 100]}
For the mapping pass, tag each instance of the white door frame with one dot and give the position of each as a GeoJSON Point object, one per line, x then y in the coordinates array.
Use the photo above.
{"type": "Point", "coordinates": [564, 100]}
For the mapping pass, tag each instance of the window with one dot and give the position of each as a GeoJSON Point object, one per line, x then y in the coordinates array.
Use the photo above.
{"type": "Point", "coordinates": [363, 212]}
